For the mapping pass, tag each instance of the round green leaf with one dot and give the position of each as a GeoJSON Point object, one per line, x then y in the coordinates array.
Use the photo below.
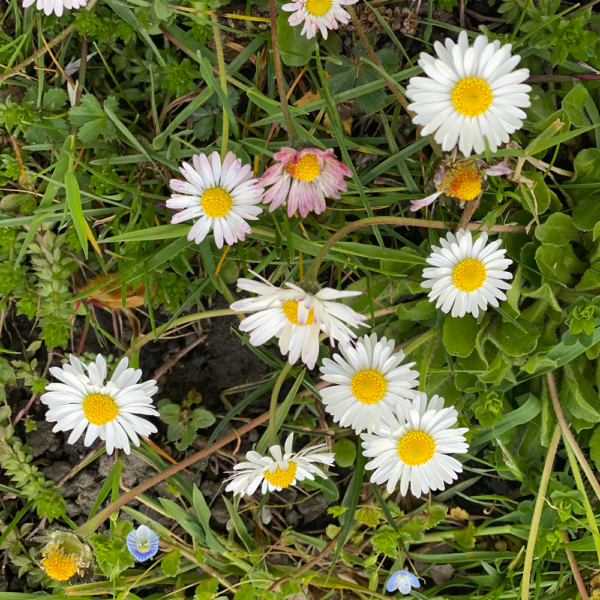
{"type": "Point", "coordinates": [295, 49]}
{"type": "Point", "coordinates": [345, 452]}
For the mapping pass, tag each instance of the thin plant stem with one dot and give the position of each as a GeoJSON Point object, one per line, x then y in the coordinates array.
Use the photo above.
{"type": "Point", "coordinates": [85, 530]}
{"type": "Point", "coordinates": [569, 436]}
{"type": "Point", "coordinates": [363, 38]}
{"type": "Point", "coordinates": [586, 502]}
{"type": "Point", "coordinates": [273, 412]}
{"type": "Point", "coordinates": [312, 272]}
{"type": "Point", "coordinates": [537, 513]}
{"type": "Point", "coordinates": [575, 568]}
{"type": "Point", "coordinates": [223, 78]}
{"type": "Point", "coordinates": [285, 109]}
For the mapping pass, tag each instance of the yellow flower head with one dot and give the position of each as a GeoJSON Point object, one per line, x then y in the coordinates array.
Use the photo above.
{"type": "Point", "coordinates": [64, 556]}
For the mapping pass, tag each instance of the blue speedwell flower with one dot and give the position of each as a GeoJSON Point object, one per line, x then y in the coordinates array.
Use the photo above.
{"type": "Point", "coordinates": [403, 581]}
{"type": "Point", "coordinates": [142, 543]}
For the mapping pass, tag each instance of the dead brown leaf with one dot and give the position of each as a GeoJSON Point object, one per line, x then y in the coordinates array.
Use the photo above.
{"type": "Point", "coordinates": [111, 298]}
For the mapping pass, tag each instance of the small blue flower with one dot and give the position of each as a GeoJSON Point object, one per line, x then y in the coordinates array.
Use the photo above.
{"type": "Point", "coordinates": [142, 543]}
{"type": "Point", "coordinates": [403, 581]}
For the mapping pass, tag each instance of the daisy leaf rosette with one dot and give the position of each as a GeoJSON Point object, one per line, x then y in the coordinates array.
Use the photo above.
{"type": "Point", "coordinates": [55, 6]}
{"type": "Point", "coordinates": [304, 179]}
{"type": "Point", "coordinates": [296, 317]}
{"type": "Point", "coordinates": [84, 400]}
{"type": "Point", "coordinates": [284, 468]}
{"type": "Point", "coordinates": [368, 384]}
{"type": "Point", "coordinates": [221, 196]}
{"type": "Point", "coordinates": [318, 15]}
{"type": "Point", "coordinates": [466, 276]}
{"type": "Point", "coordinates": [414, 449]}
{"type": "Point", "coordinates": [470, 94]}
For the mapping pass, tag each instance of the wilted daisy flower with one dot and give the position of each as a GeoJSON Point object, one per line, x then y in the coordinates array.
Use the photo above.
{"type": "Point", "coordinates": [64, 555]}
{"type": "Point", "coordinates": [415, 452]}
{"type": "Point", "coordinates": [223, 196]}
{"type": "Point", "coordinates": [466, 276]}
{"type": "Point", "coordinates": [370, 383]}
{"type": "Point", "coordinates": [55, 6]}
{"type": "Point", "coordinates": [142, 543]}
{"type": "Point", "coordinates": [108, 410]}
{"type": "Point", "coordinates": [318, 14]}
{"type": "Point", "coordinates": [402, 581]}
{"type": "Point", "coordinates": [459, 179]}
{"type": "Point", "coordinates": [296, 317]}
{"type": "Point", "coordinates": [279, 472]}
{"type": "Point", "coordinates": [471, 93]}
{"type": "Point", "coordinates": [304, 178]}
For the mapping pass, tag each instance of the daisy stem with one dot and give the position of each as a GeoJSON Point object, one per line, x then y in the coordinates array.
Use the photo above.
{"type": "Point", "coordinates": [392, 85]}
{"type": "Point", "coordinates": [585, 500]}
{"type": "Point", "coordinates": [569, 436]}
{"type": "Point", "coordinates": [537, 513]}
{"type": "Point", "coordinates": [223, 78]}
{"type": "Point", "coordinates": [287, 117]}
{"type": "Point", "coordinates": [273, 412]}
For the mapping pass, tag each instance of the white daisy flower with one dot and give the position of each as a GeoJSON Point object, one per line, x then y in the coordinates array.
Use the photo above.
{"type": "Point", "coordinates": [416, 450]}
{"type": "Point", "coordinates": [55, 6]}
{"type": "Point", "coordinates": [370, 383]}
{"type": "Point", "coordinates": [296, 317]}
{"type": "Point", "coordinates": [224, 196]}
{"type": "Point", "coordinates": [108, 410]}
{"type": "Point", "coordinates": [471, 93]}
{"type": "Point", "coordinates": [318, 14]}
{"type": "Point", "coordinates": [279, 472]}
{"type": "Point", "coordinates": [467, 276]}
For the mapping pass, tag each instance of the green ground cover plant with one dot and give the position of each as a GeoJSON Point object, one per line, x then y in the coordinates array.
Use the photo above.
{"type": "Point", "coordinates": [329, 271]}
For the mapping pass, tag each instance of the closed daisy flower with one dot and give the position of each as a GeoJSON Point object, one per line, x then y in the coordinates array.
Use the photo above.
{"type": "Point", "coordinates": [304, 178]}
{"type": "Point", "coordinates": [280, 472]}
{"type": "Point", "coordinates": [415, 451]}
{"type": "Point", "coordinates": [369, 384]}
{"type": "Point", "coordinates": [65, 555]}
{"type": "Point", "coordinates": [108, 410]}
{"type": "Point", "coordinates": [55, 6]}
{"type": "Point", "coordinates": [222, 196]}
{"type": "Point", "coordinates": [466, 276]}
{"type": "Point", "coordinates": [296, 317]}
{"type": "Point", "coordinates": [318, 14]}
{"type": "Point", "coordinates": [471, 93]}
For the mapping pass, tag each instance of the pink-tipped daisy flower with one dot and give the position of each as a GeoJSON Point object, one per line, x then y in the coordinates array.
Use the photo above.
{"type": "Point", "coordinates": [304, 178]}
{"type": "Point", "coordinates": [223, 195]}
{"type": "Point", "coordinates": [318, 14]}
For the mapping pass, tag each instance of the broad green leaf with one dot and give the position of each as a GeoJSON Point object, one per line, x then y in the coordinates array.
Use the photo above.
{"type": "Point", "coordinates": [587, 213]}
{"type": "Point", "coordinates": [295, 49]}
{"type": "Point", "coordinates": [460, 335]}
{"type": "Point", "coordinates": [574, 103]}
{"type": "Point", "coordinates": [595, 447]}
{"type": "Point", "coordinates": [170, 563]}
{"type": "Point", "coordinates": [558, 230]}
{"type": "Point", "coordinates": [513, 341]}
{"type": "Point", "coordinates": [345, 452]}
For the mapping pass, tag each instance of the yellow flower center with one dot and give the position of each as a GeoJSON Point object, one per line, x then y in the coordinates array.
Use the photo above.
{"type": "Point", "coordinates": [58, 566]}
{"type": "Point", "coordinates": [290, 310]}
{"type": "Point", "coordinates": [472, 96]}
{"type": "Point", "coordinates": [368, 386]}
{"type": "Point", "coordinates": [281, 478]}
{"type": "Point", "coordinates": [463, 183]}
{"type": "Point", "coordinates": [416, 448]}
{"type": "Point", "coordinates": [216, 203]}
{"type": "Point", "coordinates": [99, 409]}
{"type": "Point", "coordinates": [469, 275]}
{"type": "Point", "coordinates": [307, 168]}
{"type": "Point", "coordinates": [318, 8]}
